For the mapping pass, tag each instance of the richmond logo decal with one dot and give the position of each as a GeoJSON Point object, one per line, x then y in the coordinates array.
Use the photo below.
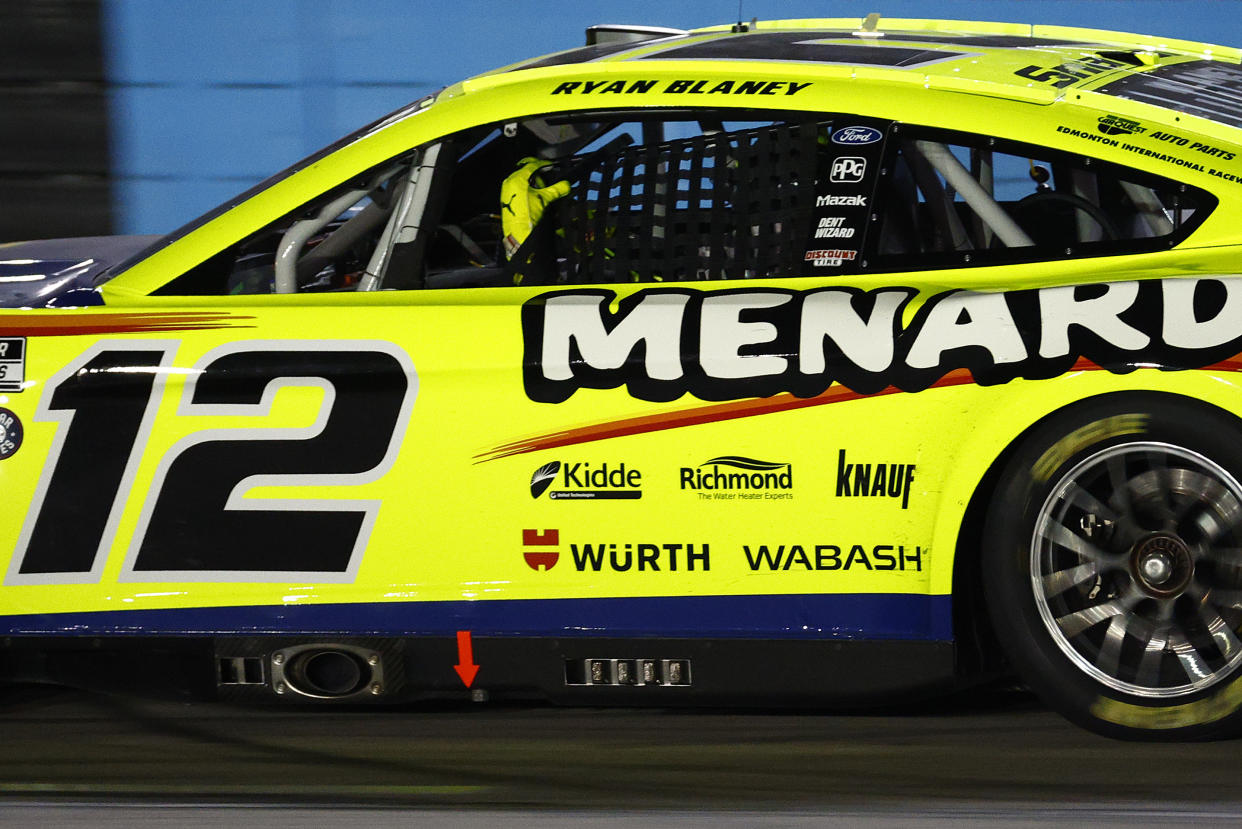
{"type": "Point", "coordinates": [662, 343]}
{"type": "Point", "coordinates": [731, 477]}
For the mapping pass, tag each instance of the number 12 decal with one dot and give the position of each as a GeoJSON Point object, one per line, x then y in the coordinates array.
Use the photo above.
{"type": "Point", "coordinates": [196, 523]}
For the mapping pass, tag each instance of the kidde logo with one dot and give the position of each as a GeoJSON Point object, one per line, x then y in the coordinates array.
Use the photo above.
{"type": "Point", "coordinates": [540, 559]}
{"type": "Point", "coordinates": [582, 481]}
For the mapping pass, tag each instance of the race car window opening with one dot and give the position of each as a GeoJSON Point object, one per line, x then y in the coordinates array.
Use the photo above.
{"type": "Point", "coordinates": [588, 198]}
{"type": "Point", "coordinates": [324, 245]}
{"type": "Point", "coordinates": [954, 200]}
{"type": "Point", "coordinates": [406, 111]}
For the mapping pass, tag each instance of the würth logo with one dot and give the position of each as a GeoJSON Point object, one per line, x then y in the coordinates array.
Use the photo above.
{"type": "Point", "coordinates": [541, 559]}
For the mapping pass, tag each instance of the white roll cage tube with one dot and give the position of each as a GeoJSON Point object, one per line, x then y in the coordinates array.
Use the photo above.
{"type": "Point", "coordinates": [960, 179]}
{"type": "Point", "coordinates": [403, 226]}
{"type": "Point", "coordinates": [294, 239]}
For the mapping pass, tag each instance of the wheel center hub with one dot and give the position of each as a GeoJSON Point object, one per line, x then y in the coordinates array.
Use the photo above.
{"type": "Point", "coordinates": [1162, 565]}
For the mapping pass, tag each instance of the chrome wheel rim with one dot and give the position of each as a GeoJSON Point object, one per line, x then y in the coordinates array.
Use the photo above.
{"type": "Point", "coordinates": [1136, 568]}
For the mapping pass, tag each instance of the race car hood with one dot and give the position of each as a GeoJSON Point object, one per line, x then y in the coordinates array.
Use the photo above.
{"type": "Point", "coordinates": [60, 272]}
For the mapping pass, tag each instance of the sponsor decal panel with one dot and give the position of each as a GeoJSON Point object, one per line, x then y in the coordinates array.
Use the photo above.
{"type": "Point", "coordinates": [833, 227]}
{"type": "Point", "coordinates": [1116, 125]}
{"type": "Point", "coordinates": [12, 363]}
{"type": "Point", "coordinates": [1169, 138]}
{"type": "Point", "coordinates": [874, 480]}
{"type": "Point", "coordinates": [10, 433]}
{"type": "Point", "coordinates": [847, 169]}
{"type": "Point", "coordinates": [840, 201]}
{"type": "Point", "coordinates": [1196, 146]}
{"type": "Point", "coordinates": [830, 258]}
{"type": "Point", "coordinates": [640, 557]}
{"type": "Point", "coordinates": [828, 557]}
{"type": "Point", "coordinates": [581, 481]}
{"type": "Point", "coordinates": [662, 343]}
{"type": "Point", "coordinates": [733, 477]}
{"type": "Point", "coordinates": [540, 549]}
{"type": "Point", "coordinates": [856, 136]}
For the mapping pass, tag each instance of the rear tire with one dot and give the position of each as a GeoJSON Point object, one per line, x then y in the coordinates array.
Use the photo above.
{"type": "Point", "coordinates": [1112, 565]}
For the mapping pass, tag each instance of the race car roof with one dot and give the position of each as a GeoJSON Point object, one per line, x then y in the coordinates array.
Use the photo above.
{"type": "Point", "coordinates": [1175, 74]}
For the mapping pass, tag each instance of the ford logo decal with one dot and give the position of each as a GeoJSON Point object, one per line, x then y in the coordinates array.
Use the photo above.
{"type": "Point", "coordinates": [854, 136]}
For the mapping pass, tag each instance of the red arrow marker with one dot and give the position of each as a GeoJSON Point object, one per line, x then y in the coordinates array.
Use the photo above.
{"type": "Point", "coordinates": [465, 667]}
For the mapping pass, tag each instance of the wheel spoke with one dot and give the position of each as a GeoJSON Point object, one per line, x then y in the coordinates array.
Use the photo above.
{"type": "Point", "coordinates": [1150, 491]}
{"type": "Point", "coordinates": [1226, 598]}
{"type": "Point", "coordinates": [1117, 483]}
{"type": "Point", "coordinates": [1075, 623]}
{"type": "Point", "coordinates": [1109, 657]}
{"type": "Point", "coordinates": [1222, 513]}
{"type": "Point", "coordinates": [1149, 665]}
{"type": "Point", "coordinates": [1057, 583]}
{"type": "Point", "coordinates": [1087, 502]}
{"type": "Point", "coordinates": [1227, 641]}
{"type": "Point", "coordinates": [1189, 657]}
{"type": "Point", "coordinates": [1064, 536]}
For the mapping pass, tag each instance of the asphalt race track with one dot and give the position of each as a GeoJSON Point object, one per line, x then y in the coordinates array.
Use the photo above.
{"type": "Point", "coordinates": [992, 757]}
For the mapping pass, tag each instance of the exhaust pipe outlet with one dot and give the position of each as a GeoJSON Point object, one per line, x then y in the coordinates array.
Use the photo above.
{"type": "Point", "coordinates": [327, 671]}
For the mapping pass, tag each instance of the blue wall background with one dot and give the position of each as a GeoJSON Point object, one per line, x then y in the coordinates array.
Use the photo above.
{"type": "Point", "coordinates": [210, 96]}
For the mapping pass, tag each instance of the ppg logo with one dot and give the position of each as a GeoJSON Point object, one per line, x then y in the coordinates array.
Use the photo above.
{"type": "Point", "coordinates": [854, 136]}
{"type": "Point", "coordinates": [848, 170]}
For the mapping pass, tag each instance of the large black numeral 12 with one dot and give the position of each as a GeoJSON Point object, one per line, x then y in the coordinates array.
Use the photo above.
{"type": "Point", "coordinates": [196, 523]}
{"type": "Point", "coordinates": [103, 402]}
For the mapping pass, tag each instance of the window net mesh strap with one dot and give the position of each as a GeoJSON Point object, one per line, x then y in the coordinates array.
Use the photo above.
{"type": "Point", "coordinates": [728, 205]}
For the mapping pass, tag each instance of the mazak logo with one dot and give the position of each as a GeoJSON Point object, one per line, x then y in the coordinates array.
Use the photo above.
{"type": "Point", "coordinates": [848, 170]}
{"type": "Point", "coordinates": [874, 480]}
{"type": "Point", "coordinates": [1116, 125]}
{"type": "Point", "coordinates": [535, 549]}
{"type": "Point", "coordinates": [582, 482]}
{"type": "Point", "coordinates": [732, 477]}
{"type": "Point", "coordinates": [856, 136]}
{"type": "Point", "coordinates": [840, 201]}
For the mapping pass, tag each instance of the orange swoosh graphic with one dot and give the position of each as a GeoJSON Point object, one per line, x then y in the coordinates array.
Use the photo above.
{"type": "Point", "coordinates": [738, 409]}
{"type": "Point", "coordinates": [85, 323]}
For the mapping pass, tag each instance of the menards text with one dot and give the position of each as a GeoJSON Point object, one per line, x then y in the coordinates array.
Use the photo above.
{"type": "Point", "coordinates": [662, 343]}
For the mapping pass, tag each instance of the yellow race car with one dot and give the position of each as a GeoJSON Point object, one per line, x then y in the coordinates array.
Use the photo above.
{"type": "Point", "coordinates": [793, 362]}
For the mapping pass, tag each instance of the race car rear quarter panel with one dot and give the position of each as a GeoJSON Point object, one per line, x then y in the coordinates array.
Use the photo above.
{"type": "Point", "coordinates": [437, 494]}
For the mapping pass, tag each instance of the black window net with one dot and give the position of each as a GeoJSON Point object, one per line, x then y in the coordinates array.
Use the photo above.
{"type": "Point", "coordinates": [722, 205]}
